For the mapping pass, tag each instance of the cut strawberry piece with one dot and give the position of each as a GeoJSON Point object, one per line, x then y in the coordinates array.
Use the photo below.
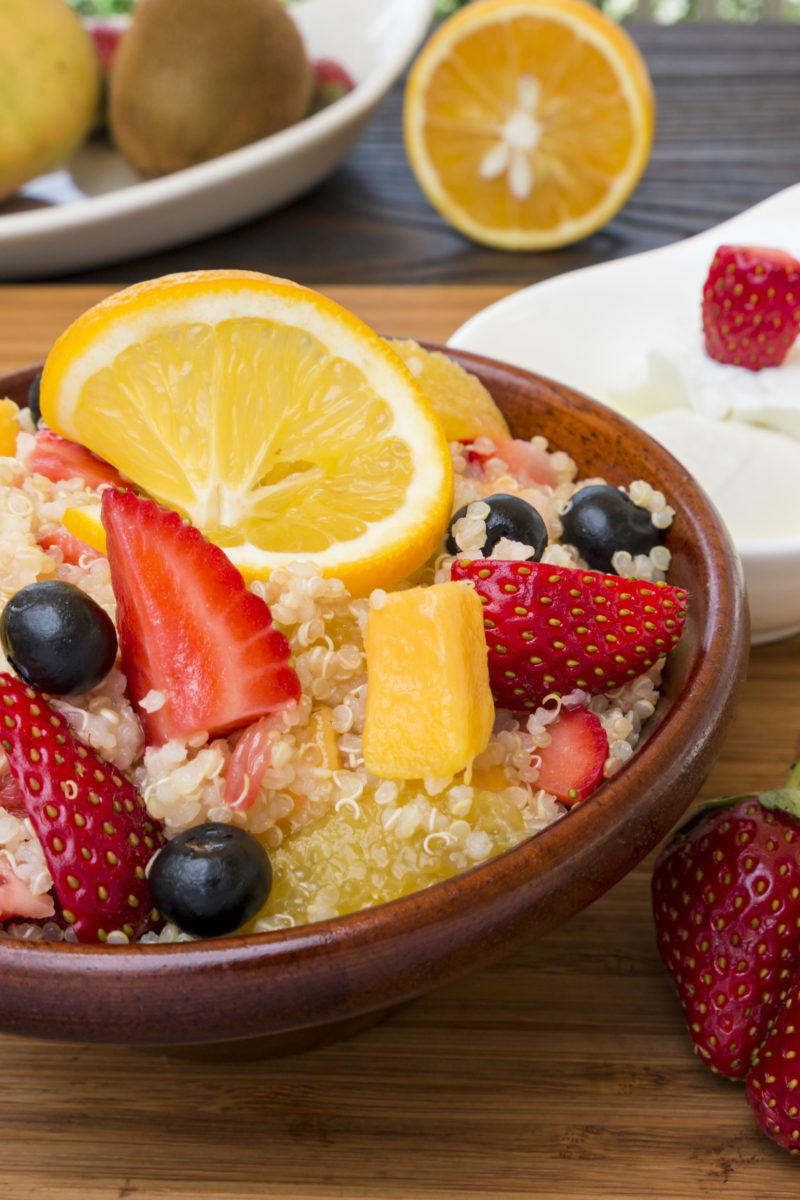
{"type": "Point", "coordinates": [249, 761]}
{"type": "Point", "coordinates": [571, 766]}
{"type": "Point", "coordinates": [553, 629]}
{"type": "Point", "coordinates": [188, 627]}
{"type": "Point", "coordinates": [57, 459]}
{"type": "Point", "coordinates": [726, 904]}
{"type": "Point", "coordinates": [106, 36]}
{"type": "Point", "coordinates": [95, 831]}
{"type": "Point", "coordinates": [331, 82]}
{"type": "Point", "coordinates": [73, 550]}
{"type": "Point", "coordinates": [529, 465]}
{"type": "Point", "coordinates": [17, 899]}
{"type": "Point", "coordinates": [751, 306]}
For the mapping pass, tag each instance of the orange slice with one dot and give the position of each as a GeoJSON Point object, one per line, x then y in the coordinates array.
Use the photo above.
{"type": "Point", "coordinates": [528, 123]}
{"type": "Point", "coordinates": [277, 422]}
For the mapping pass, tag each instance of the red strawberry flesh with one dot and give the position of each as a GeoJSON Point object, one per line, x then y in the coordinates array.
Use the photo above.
{"type": "Point", "coordinates": [751, 306]}
{"type": "Point", "coordinates": [57, 459]}
{"type": "Point", "coordinates": [553, 629]}
{"type": "Point", "coordinates": [188, 627]}
{"type": "Point", "coordinates": [95, 831]}
{"type": "Point", "coordinates": [571, 766]}
{"type": "Point", "coordinates": [726, 904]}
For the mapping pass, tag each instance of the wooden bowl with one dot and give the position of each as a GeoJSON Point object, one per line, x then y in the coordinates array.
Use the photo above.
{"type": "Point", "coordinates": [301, 987]}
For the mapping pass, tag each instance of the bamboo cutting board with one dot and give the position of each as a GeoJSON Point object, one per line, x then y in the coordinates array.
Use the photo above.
{"type": "Point", "coordinates": [563, 1071]}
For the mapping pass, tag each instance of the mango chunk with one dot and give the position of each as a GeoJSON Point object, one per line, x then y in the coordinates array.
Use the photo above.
{"type": "Point", "coordinates": [429, 706]}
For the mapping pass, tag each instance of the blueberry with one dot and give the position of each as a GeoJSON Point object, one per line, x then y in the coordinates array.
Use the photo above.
{"type": "Point", "coordinates": [33, 400]}
{"type": "Point", "coordinates": [601, 520]}
{"type": "Point", "coordinates": [211, 879]}
{"type": "Point", "coordinates": [57, 638]}
{"type": "Point", "coordinates": [509, 517]}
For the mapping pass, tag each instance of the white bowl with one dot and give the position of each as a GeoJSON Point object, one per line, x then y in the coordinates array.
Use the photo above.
{"type": "Point", "coordinates": [592, 329]}
{"type": "Point", "coordinates": [99, 210]}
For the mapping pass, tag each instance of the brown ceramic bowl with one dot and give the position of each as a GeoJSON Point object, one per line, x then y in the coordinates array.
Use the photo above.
{"type": "Point", "coordinates": [303, 986]}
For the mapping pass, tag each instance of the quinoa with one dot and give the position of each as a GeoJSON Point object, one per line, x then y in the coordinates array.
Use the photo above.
{"type": "Point", "coordinates": [339, 838]}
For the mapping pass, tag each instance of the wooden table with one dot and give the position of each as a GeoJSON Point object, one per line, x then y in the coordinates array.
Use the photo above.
{"type": "Point", "coordinates": [563, 1071]}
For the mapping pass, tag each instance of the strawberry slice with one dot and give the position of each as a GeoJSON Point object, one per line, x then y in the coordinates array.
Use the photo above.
{"type": "Point", "coordinates": [751, 306]}
{"type": "Point", "coordinates": [571, 766]}
{"type": "Point", "coordinates": [530, 466]}
{"type": "Point", "coordinates": [57, 459]}
{"type": "Point", "coordinates": [553, 629]}
{"type": "Point", "coordinates": [188, 627]}
{"type": "Point", "coordinates": [95, 831]}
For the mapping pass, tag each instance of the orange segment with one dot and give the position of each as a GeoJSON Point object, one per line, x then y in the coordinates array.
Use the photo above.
{"type": "Point", "coordinates": [528, 122]}
{"type": "Point", "coordinates": [273, 419]}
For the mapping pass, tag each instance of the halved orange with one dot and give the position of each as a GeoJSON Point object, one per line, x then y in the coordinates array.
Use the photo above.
{"type": "Point", "coordinates": [528, 123]}
{"type": "Point", "coordinates": [277, 422]}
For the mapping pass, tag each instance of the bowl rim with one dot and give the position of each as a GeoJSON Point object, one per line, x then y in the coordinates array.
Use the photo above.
{"type": "Point", "coordinates": [499, 887]}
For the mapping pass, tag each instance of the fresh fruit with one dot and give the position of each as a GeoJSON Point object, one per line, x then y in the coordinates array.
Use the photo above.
{"type": "Point", "coordinates": [509, 517]}
{"type": "Point", "coordinates": [331, 82]}
{"type": "Point", "coordinates": [726, 903]}
{"type": "Point", "coordinates": [51, 88]}
{"type": "Point", "coordinates": [211, 879]}
{"type": "Point", "coordinates": [288, 429]}
{"type": "Point", "coordinates": [189, 630]}
{"type": "Point", "coordinates": [600, 520]}
{"type": "Point", "coordinates": [95, 832]}
{"type": "Point", "coordinates": [429, 708]}
{"type": "Point", "coordinates": [772, 1084]}
{"type": "Point", "coordinates": [571, 765]}
{"type": "Point", "coordinates": [552, 629]}
{"type": "Point", "coordinates": [57, 459]}
{"type": "Point", "coordinates": [464, 406]}
{"type": "Point", "coordinates": [194, 79]}
{"type": "Point", "coordinates": [530, 465]}
{"type": "Point", "coordinates": [17, 899]}
{"type": "Point", "coordinates": [57, 638]}
{"type": "Point", "coordinates": [250, 759]}
{"type": "Point", "coordinates": [73, 549]}
{"type": "Point", "coordinates": [528, 122]}
{"type": "Point", "coordinates": [751, 306]}
{"type": "Point", "coordinates": [9, 428]}
{"type": "Point", "coordinates": [106, 34]}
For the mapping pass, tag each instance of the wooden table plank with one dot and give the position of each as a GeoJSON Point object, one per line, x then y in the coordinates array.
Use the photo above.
{"type": "Point", "coordinates": [562, 1071]}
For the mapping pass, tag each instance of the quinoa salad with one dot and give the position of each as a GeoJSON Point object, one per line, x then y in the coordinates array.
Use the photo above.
{"type": "Point", "coordinates": [338, 836]}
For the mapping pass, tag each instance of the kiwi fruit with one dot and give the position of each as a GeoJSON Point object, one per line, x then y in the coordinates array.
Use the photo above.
{"type": "Point", "coordinates": [193, 79]}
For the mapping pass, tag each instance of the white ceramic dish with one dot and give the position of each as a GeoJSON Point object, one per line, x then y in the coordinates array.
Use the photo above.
{"type": "Point", "coordinates": [98, 210]}
{"type": "Point", "coordinates": [592, 328]}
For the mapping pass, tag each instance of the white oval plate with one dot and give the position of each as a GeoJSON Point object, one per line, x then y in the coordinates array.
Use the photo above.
{"type": "Point", "coordinates": [592, 328]}
{"type": "Point", "coordinates": [98, 210]}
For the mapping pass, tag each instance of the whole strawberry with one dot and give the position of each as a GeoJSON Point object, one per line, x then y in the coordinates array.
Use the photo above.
{"type": "Point", "coordinates": [751, 306]}
{"type": "Point", "coordinates": [554, 629]}
{"type": "Point", "coordinates": [774, 1079]}
{"type": "Point", "coordinates": [95, 831]}
{"type": "Point", "coordinates": [726, 903]}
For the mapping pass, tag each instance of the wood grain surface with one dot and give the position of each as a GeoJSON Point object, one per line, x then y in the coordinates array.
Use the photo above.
{"type": "Point", "coordinates": [563, 1071]}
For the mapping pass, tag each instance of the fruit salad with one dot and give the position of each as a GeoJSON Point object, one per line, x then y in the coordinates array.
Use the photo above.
{"type": "Point", "coordinates": [292, 624]}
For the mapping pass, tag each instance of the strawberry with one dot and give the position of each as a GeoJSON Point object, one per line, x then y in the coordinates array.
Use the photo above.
{"type": "Point", "coordinates": [531, 466]}
{"type": "Point", "coordinates": [95, 831]}
{"type": "Point", "coordinates": [726, 902]}
{"type": "Point", "coordinates": [774, 1078]}
{"type": "Point", "coordinates": [57, 458]}
{"type": "Point", "coordinates": [571, 766]}
{"type": "Point", "coordinates": [188, 627]}
{"type": "Point", "coordinates": [72, 549]}
{"type": "Point", "coordinates": [331, 82]}
{"type": "Point", "coordinates": [751, 306]}
{"type": "Point", "coordinates": [553, 629]}
{"type": "Point", "coordinates": [106, 36]}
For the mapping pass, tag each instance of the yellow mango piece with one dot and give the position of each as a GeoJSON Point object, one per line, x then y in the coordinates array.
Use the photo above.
{"type": "Point", "coordinates": [9, 428]}
{"type": "Point", "coordinates": [429, 707]}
